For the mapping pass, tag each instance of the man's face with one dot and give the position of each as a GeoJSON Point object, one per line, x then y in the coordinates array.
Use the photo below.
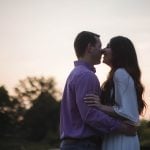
{"type": "Point", "coordinates": [96, 52]}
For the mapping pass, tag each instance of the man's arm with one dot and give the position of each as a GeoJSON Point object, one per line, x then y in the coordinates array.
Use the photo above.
{"type": "Point", "coordinates": [88, 83]}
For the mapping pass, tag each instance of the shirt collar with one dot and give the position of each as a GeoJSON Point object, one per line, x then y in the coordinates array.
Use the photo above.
{"type": "Point", "coordinates": [87, 65]}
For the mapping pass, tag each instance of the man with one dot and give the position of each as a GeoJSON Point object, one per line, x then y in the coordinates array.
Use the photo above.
{"type": "Point", "coordinates": [82, 127]}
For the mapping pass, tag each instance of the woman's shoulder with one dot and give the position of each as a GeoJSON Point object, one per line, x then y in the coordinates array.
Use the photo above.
{"type": "Point", "coordinates": [121, 74]}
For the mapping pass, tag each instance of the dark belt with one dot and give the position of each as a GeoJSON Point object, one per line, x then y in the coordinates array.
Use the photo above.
{"type": "Point", "coordinates": [95, 140]}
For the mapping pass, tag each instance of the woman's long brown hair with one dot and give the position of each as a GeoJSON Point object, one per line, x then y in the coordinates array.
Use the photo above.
{"type": "Point", "coordinates": [124, 56]}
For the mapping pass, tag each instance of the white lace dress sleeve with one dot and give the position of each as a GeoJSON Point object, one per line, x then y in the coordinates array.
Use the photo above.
{"type": "Point", "coordinates": [125, 96]}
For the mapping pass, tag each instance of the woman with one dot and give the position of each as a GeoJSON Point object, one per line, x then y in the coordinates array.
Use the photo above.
{"type": "Point", "coordinates": [121, 92]}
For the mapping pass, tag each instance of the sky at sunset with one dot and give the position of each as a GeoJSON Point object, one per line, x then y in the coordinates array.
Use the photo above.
{"type": "Point", "coordinates": [36, 36]}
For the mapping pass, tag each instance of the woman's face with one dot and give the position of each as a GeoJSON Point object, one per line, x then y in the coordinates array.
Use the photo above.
{"type": "Point", "coordinates": [107, 59]}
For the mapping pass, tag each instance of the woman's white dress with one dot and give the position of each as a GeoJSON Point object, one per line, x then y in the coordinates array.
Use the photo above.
{"type": "Point", "coordinates": [126, 106]}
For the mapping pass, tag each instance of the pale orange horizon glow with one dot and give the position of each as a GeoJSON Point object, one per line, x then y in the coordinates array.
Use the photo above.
{"type": "Point", "coordinates": [36, 36]}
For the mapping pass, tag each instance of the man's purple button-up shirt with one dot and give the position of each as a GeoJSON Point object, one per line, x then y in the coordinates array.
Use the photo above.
{"type": "Point", "coordinates": [77, 120]}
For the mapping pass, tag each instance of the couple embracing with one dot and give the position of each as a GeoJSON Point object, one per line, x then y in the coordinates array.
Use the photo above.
{"type": "Point", "coordinates": [106, 117]}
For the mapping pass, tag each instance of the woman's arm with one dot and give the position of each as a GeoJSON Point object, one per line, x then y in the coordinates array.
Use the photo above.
{"type": "Point", "coordinates": [109, 110]}
{"type": "Point", "coordinates": [93, 100]}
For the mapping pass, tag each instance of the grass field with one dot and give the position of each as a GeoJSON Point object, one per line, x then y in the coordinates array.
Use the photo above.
{"type": "Point", "coordinates": [16, 144]}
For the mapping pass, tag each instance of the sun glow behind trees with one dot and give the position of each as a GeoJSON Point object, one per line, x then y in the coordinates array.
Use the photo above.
{"type": "Point", "coordinates": [36, 36]}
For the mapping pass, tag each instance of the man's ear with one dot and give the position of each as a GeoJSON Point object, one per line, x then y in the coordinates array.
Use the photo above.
{"type": "Point", "coordinates": [89, 48]}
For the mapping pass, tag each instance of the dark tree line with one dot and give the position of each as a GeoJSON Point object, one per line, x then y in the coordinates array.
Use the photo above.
{"type": "Point", "coordinates": [33, 112]}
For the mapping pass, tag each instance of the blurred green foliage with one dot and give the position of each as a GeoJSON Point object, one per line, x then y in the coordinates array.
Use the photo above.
{"type": "Point", "coordinates": [144, 134]}
{"type": "Point", "coordinates": [31, 116]}
{"type": "Point", "coordinates": [30, 119]}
